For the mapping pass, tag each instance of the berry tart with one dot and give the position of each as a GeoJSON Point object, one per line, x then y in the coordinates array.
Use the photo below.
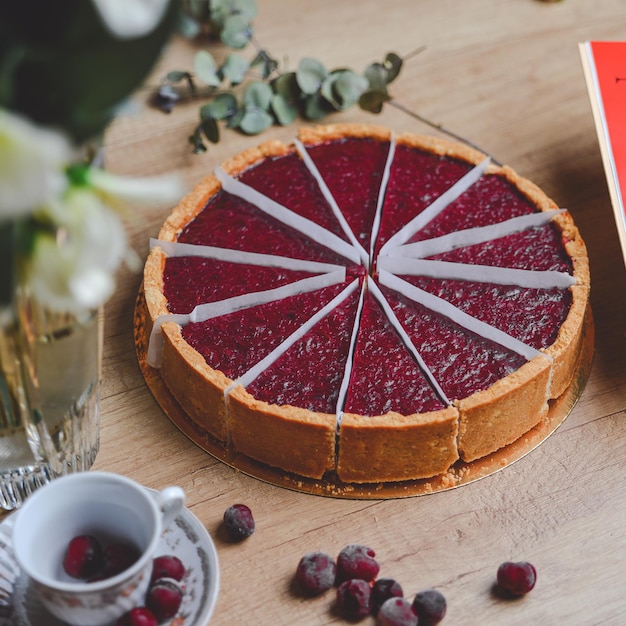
{"type": "Point", "coordinates": [365, 308]}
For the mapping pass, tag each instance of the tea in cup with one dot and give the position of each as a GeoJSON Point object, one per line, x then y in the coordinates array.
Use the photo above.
{"type": "Point", "coordinates": [114, 510]}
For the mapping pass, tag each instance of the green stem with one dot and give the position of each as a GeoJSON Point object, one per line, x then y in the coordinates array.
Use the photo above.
{"type": "Point", "coordinates": [439, 127]}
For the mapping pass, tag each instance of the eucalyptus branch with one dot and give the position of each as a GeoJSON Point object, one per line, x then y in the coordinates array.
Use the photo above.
{"type": "Point", "coordinates": [251, 96]}
{"type": "Point", "coordinates": [440, 127]}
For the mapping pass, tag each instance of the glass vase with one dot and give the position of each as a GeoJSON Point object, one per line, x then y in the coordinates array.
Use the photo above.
{"type": "Point", "coordinates": [50, 371]}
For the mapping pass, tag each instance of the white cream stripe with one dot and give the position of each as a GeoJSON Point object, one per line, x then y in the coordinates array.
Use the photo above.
{"type": "Point", "coordinates": [178, 249]}
{"type": "Point", "coordinates": [395, 322]}
{"type": "Point", "coordinates": [209, 310]}
{"type": "Point", "coordinates": [287, 216]}
{"type": "Point", "coordinates": [436, 207]}
{"type": "Point", "coordinates": [381, 196]}
{"type": "Point", "coordinates": [264, 363]}
{"type": "Point", "coordinates": [321, 183]}
{"type": "Point", "coordinates": [473, 236]}
{"type": "Point", "coordinates": [533, 279]}
{"type": "Point", "coordinates": [456, 315]}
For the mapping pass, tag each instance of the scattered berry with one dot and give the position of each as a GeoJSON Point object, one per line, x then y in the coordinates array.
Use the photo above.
{"type": "Point", "coordinates": [382, 590]}
{"type": "Point", "coordinates": [430, 606]}
{"type": "Point", "coordinates": [397, 612]}
{"type": "Point", "coordinates": [239, 521]}
{"type": "Point", "coordinates": [517, 578]}
{"type": "Point", "coordinates": [117, 557]}
{"type": "Point", "coordinates": [164, 598]}
{"type": "Point", "coordinates": [167, 566]}
{"type": "Point", "coordinates": [357, 561]}
{"type": "Point", "coordinates": [354, 598]}
{"type": "Point", "coordinates": [139, 616]}
{"type": "Point", "coordinates": [83, 557]}
{"type": "Point", "coordinates": [316, 572]}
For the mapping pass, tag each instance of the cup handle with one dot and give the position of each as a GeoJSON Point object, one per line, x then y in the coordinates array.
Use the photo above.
{"type": "Point", "coordinates": [170, 501]}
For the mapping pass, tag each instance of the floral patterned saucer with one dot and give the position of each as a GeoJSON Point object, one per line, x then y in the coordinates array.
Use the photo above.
{"type": "Point", "coordinates": [186, 538]}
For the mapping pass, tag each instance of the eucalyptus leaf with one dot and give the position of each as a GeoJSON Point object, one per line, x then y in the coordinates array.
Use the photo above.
{"type": "Point", "coordinates": [285, 111]}
{"type": "Point", "coordinates": [175, 76]}
{"type": "Point", "coordinates": [235, 119]}
{"type": "Point", "coordinates": [236, 32]}
{"type": "Point", "coordinates": [255, 121]}
{"type": "Point", "coordinates": [393, 64]}
{"type": "Point", "coordinates": [188, 26]}
{"type": "Point", "coordinates": [316, 107]}
{"type": "Point", "coordinates": [205, 68]}
{"type": "Point", "coordinates": [259, 95]}
{"type": "Point", "coordinates": [343, 88]}
{"type": "Point", "coordinates": [377, 74]}
{"type": "Point", "coordinates": [234, 68]}
{"type": "Point", "coordinates": [196, 141]}
{"type": "Point", "coordinates": [224, 105]}
{"type": "Point", "coordinates": [372, 100]}
{"type": "Point", "coordinates": [267, 63]}
{"type": "Point", "coordinates": [287, 86]}
{"type": "Point", "coordinates": [210, 130]}
{"type": "Point", "coordinates": [310, 75]}
{"type": "Point", "coordinates": [222, 9]}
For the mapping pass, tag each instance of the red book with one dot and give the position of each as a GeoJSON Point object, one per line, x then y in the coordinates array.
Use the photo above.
{"type": "Point", "coordinates": [604, 64]}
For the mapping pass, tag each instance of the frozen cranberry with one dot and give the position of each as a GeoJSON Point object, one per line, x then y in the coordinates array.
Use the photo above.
{"type": "Point", "coordinates": [354, 598]}
{"type": "Point", "coordinates": [83, 557]}
{"type": "Point", "coordinates": [117, 557]}
{"type": "Point", "coordinates": [316, 572]}
{"type": "Point", "coordinates": [164, 598]}
{"type": "Point", "coordinates": [517, 578]}
{"type": "Point", "coordinates": [139, 616]}
{"type": "Point", "coordinates": [397, 612]}
{"type": "Point", "coordinates": [357, 561]}
{"type": "Point", "coordinates": [239, 521]}
{"type": "Point", "coordinates": [382, 590]}
{"type": "Point", "coordinates": [167, 566]}
{"type": "Point", "coordinates": [430, 606]}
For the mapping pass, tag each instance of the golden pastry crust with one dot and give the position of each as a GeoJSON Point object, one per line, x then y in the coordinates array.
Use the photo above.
{"type": "Point", "coordinates": [291, 438]}
{"type": "Point", "coordinates": [394, 447]}
{"type": "Point", "coordinates": [499, 415]}
{"type": "Point", "coordinates": [382, 448]}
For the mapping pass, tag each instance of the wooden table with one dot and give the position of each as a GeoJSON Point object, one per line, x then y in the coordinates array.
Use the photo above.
{"type": "Point", "coordinates": [506, 75]}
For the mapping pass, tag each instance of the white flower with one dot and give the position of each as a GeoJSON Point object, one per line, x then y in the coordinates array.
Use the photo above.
{"type": "Point", "coordinates": [32, 162]}
{"type": "Point", "coordinates": [129, 19]}
{"type": "Point", "coordinates": [74, 271]}
{"type": "Point", "coordinates": [149, 190]}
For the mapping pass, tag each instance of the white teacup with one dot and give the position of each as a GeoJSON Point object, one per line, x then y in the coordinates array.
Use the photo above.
{"type": "Point", "coordinates": [108, 506]}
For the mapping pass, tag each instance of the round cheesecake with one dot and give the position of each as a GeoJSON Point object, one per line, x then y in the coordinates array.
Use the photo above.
{"type": "Point", "coordinates": [364, 307]}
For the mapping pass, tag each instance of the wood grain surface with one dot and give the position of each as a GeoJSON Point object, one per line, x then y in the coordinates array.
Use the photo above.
{"type": "Point", "coordinates": [506, 75]}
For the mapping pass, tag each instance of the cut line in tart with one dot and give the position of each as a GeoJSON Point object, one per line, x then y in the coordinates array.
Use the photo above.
{"type": "Point", "coordinates": [360, 308]}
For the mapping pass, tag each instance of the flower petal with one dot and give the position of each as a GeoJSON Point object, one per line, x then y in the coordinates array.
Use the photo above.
{"type": "Point", "coordinates": [129, 19]}
{"type": "Point", "coordinates": [32, 162]}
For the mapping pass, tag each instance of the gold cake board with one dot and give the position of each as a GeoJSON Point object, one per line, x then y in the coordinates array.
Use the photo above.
{"type": "Point", "coordinates": [459, 474]}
